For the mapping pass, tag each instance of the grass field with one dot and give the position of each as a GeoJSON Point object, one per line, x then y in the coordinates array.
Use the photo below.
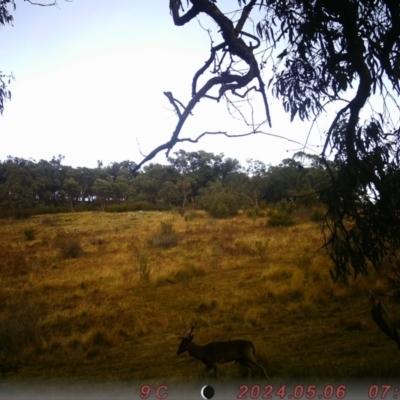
{"type": "Point", "coordinates": [105, 297]}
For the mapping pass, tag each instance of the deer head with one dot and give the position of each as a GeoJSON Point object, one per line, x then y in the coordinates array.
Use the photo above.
{"type": "Point", "coordinates": [186, 340]}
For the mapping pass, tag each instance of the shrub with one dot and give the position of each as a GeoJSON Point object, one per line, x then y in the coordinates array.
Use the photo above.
{"type": "Point", "coordinates": [71, 249]}
{"type": "Point", "coordinates": [167, 228]}
{"type": "Point", "coordinates": [165, 241]}
{"type": "Point", "coordinates": [13, 263]}
{"type": "Point", "coordinates": [218, 201]}
{"type": "Point", "coordinates": [181, 211]}
{"type": "Point", "coordinates": [29, 234]}
{"type": "Point", "coordinates": [192, 214]}
{"type": "Point", "coordinates": [255, 212]}
{"type": "Point", "coordinates": [219, 210]}
{"type": "Point", "coordinates": [186, 274]}
{"type": "Point", "coordinates": [280, 219]}
{"type": "Point", "coordinates": [286, 207]}
{"type": "Point", "coordinates": [20, 329]}
{"type": "Point", "coordinates": [50, 221]}
{"type": "Point", "coordinates": [206, 307]}
{"type": "Point", "coordinates": [261, 250]}
{"type": "Point", "coordinates": [166, 237]}
{"type": "Point", "coordinates": [23, 214]}
{"type": "Point", "coordinates": [99, 338]}
{"type": "Point", "coordinates": [317, 215]}
{"type": "Point", "coordinates": [144, 270]}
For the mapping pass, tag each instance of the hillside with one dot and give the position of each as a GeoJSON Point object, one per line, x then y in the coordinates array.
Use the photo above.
{"type": "Point", "coordinates": [101, 297]}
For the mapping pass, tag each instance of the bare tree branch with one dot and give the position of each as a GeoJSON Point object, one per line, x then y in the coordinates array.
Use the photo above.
{"type": "Point", "coordinates": [226, 78]}
{"type": "Point", "coordinates": [206, 65]}
{"type": "Point", "coordinates": [173, 102]}
{"type": "Point", "coordinates": [167, 145]}
{"type": "Point", "coordinates": [174, 6]}
{"type": "Point", "coordinates": [245, 15]}
{"type": "Point", "coordinates": [46, 5]}
{"type": "Point", "coordinates": [42, 5]}
{"type": "Point", "coordinates": [238, 136]}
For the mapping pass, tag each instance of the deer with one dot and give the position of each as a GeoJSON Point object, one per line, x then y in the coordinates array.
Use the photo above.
{"type": "Point", "coordinates": [215, 353]}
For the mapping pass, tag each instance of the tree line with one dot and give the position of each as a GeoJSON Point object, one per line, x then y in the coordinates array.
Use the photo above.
{"type": "Point", "coordinates": [197, 179]}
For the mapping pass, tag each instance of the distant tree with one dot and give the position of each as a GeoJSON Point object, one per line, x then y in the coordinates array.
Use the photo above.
{"type": "Point", "coordinates": [169, 193]}
{"type": "Point", "coordinates": [16, 190]}
{"type": "Point", "coordinates": [200, 167]}
{"type": "Point", "coordinates": [227, 167]}
{"type": "Point", "coordinates": [257, 172]}
{"type": "Point", "coordinates": [240, 184]}
{"type": "Point", "coordinates": [281, 181]}
{"type": "Point", "coordinates": [48, 178]}
{"type": "Point", "coordinates": [150, 182]}
{"type": "Point", "coordinates": [184, 185]}
{"type": "Point", "coordinates": [122, 175]}
{"type": "Point", "coordinates": [127, 168]}
{"type": "Point", "coordinates": [316, 179]}
{"type": "Point", "coordinates": [71, 187]}
{"type": "Point", "coordinates": [220, 202]}
{"type": "Point", "coordinates": [102, 189]}
{"type": "Point", "coordinates": [85, 177]}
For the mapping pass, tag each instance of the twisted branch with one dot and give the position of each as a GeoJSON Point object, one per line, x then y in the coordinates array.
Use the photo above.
{"type": "Point", "coordinates": [227, 80]}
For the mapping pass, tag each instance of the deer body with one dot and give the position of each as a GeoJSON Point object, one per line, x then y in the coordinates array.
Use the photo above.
{"type": "Point", "coordinates": [216, 353]}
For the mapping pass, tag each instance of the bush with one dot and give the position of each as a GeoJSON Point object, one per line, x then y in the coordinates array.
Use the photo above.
{"type": "Point", "coordinates": [261, 250]}
{"type": "Point", "coordinates": [165, 241]}
{"type": "Point", "coordinates": [180, 211]}
{"type": "Point", "coordinates": [20, 329]}
{"type": "Point", "coordinates": [219, 210]}
{"type": "Point", "coordinates": [219, 202]}
{"type": "Point", "coordinates": [144, 270]}
{"type": "Point", "coordinates": [13, 263]}
{"type": "Point", "coordinates": [317, 215]}
{"type": "Point", "coordinates": [286, 207]}
{"type": "Point", "coordinates": [23, 214]}
{"type": "Point", "coordinates": [167, 228]}
{"type": "Point", "coordinates": [280, 219]}
{"type": "Point", "coordinates": [50, 221]}
{"type": "Point", "coordinates": [29, 234]}
{"type": "Point", "coordinates": [166, 237]}
{"type": "Point", "coordinates": [255, 212]}
{"type": "Point", "coordinates": [70, 249]}
{"type": "Point", "coordinates": [191, 214]}
{"type": "Point", "coordinates": [185, 275]}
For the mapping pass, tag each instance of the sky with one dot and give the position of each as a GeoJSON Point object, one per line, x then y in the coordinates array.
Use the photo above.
{"type": "Point", "coordinates": [89, 83]}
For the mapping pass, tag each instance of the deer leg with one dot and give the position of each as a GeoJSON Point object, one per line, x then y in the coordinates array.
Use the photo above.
{"type": "Point", "coordinates": [216, 370]}
{"type": "Point", "coordinates": [249, 372]}
{"type": "Point", "coordinates": [206, 370]}
{"type": "Point", "coordinates": [252, 360]}
{"type": "Point", "coordinates": [263, 370]}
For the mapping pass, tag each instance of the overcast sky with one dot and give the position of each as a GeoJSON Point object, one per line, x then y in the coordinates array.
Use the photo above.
{"type": "Point", "coordinates": [90, 77]}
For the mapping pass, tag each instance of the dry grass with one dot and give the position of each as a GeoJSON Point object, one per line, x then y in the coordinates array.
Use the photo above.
{"type": "Point", "coordinates": [77, 302]}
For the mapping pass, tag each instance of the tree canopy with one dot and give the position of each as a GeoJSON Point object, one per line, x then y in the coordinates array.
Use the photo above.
{"type": "Point", "coordinates": [192, 178]}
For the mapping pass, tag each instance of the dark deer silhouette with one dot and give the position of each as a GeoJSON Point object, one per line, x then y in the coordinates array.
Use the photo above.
{"type": "Point", "coordinates": [215, 353]}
